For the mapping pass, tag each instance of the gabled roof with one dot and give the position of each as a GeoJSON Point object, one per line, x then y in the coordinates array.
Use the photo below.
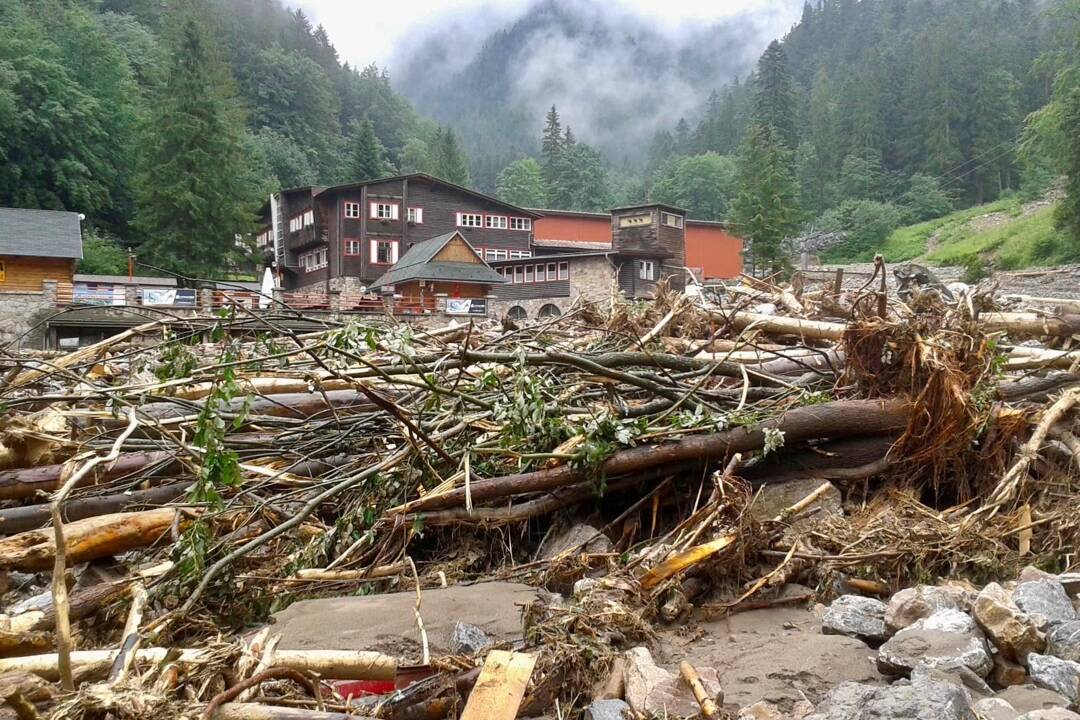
{"type": "Point", "coordinates": [418, 264]}
{"type": "Point", "coordinates": [40, 233]}
{"type": "Point", "coordinates": [431, 179]}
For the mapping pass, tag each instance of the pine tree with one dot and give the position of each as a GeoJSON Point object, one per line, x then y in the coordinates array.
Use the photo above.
{"type": "Point", "coordinates": [522, 183]}
{"type": "Point", "coordinates": [192, 201]}
{"type": "Point", "coordinates": [766, 209]}
{"type": "Point", "coordinates": [368, 157]}
{"type": "Point", "coordinates": [774, 95]}
{"type": "Point", "coordinates": [449, 159]}
{"type": "Point", "coordinates": [1067, 215]}
{"type": "Point", "coordinates": [551, 148]}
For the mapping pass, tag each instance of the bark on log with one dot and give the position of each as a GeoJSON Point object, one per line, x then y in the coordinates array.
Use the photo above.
{"type": "Point", "coordinates": [823, 457]}
{"type": "Point", "coordinates": [24, 482]}
{"type": "Point", "coordinates": [1036, 388]}
{"type": "Point", "coordinates": [29, 517]}
{"type": "Point", "coordinates": [839, 419]}
{"type": "Point", "coordinates": [87, 539]}
{"type": "Point", "coordinates": [256, 711]}
{"type": "Point", "coordinates": [288, 405]}
{"type": "Point", "coordinates": [1031, 323]}
{"type": "Point", "coordinates": [84, 603]}
{"type": "Point", "coordinates": [330, 664]}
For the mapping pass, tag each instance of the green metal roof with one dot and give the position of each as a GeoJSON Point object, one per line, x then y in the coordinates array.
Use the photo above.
{"type": "Point", "coordinates": [417, 264]}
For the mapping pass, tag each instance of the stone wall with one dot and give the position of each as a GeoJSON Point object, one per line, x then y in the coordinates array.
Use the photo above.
{"type": "Point", "coordinates": [22, 316]}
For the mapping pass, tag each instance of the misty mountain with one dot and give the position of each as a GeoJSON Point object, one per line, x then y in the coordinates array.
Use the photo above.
{"type": "Point", "coordinates": [615, 77]}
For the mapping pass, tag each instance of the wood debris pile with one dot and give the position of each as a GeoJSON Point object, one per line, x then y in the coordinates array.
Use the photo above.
{"type": "Point", "coordinates": [166, 489]}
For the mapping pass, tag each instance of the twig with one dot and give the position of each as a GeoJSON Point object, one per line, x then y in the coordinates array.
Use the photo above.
{"type": "Point", "coordinates": [426, 657]}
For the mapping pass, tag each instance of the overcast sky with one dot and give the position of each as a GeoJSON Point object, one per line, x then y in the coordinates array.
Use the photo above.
{"type": "Point", "coordinates": [365, 31]}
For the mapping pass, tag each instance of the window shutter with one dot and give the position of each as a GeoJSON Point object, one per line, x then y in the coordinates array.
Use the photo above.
{"type": "Point", "coordinates": [374, 210]}
{"type": "Point", "coordinates": [394, 211]}
{"type": "Point", "coordinates": [394, 252]}
{"type": "Point", "coordinates": [459, 219]}
{"type": "Point", "coordinates": [419, 214]}
{"type": "Point", "coordinates": [374, 246]}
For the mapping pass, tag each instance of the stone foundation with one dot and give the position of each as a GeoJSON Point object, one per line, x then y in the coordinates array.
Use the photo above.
{"type": "Point", "coordinates": [22, 316]}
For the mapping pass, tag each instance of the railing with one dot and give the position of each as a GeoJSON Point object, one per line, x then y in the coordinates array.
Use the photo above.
{"type": "Point", "coordinates": [366, 304]}
{"type": "Point", "coordinates": [235, 299]}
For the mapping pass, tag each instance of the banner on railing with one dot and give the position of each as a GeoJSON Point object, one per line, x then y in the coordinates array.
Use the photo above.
{"type": "Point", "coordinates": [183, 297]}
{"type": "Point", "coordinates": [97, 294]}
{"type": "Point", "coordinates": [466, 306]}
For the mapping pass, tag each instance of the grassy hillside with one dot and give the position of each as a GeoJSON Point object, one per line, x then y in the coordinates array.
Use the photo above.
{"type": "Point", "coordinates": [1008, 233]}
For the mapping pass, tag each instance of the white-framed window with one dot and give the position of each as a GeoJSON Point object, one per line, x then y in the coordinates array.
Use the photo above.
{"type": "Point", "coordinates": [381, 210]}
{"type": "Point", "coordinates": [672, 220]}
{"type": "Point", "coordinates": [519, 223]}
{"type": "Point", "coordinates": [384, 252]}
{"type": "Point", "coordinates": [352, 210]}
{"type": "Point", "coordinates": [416, 215]}
{"type": "Point", "coordinates": [470, 220]}
{"type": "Point", "coordinates": [353, 246]}
{"type": "Point", "coordinates": [519, 254]}
{"type": "Point", "coordinates": [314, 260]}
{"type": "Point", "coordinates": [496, 222]}
{"type": "Point", "coordinates": [519, 274]}
{"type": "Point", "coordinates": [309, 218]}
{"type": "Point", "coordinates": [646, 269]}
{"type": "Point", "coordinates": [528, 273]}
{"type": "Point", "coordinates": [564, 271]}
{"type": "Point", "coordinates": [296, 224]}
{"type": "Point", "coordinates": [540, 273]}
{"type": "Point", "coordinates": [552, 274]}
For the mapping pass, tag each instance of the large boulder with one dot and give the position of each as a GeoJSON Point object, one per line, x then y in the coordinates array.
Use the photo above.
{"type": "Point", "coordinates": [1045, 601]}
{"type": "Point", "coordinates": [1014, 633]}
{"type": "Point", "coordinates": [922, 601]}
{"type": "Point", "coordinates": [1063, 641]}
{"type": "Point", "coordinates": [947, 639]}
{"type": "Point", "coordinates": [652, 690]}
{"type": "Point", "coordinates": [1061, 676]}
{"type": "Point", "coordinates": [607, 710]}
{"type": "Point", "coordinates": [855, 616]}
{"type": "Point", "coordinates": [1026, 698]}
{"type": "Point", "coordinates": [994, 709]}
{"type": "Point", "coordinates": [1051, 714]}
{"type": "Point", "coordinates": [921, 699]}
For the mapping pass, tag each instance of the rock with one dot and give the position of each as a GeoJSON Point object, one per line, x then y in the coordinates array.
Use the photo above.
{"type": "Point", "coordinates": [921, 699]}
{"type": "Point", "coordinates": [1006, 673]}
{"type": "Point", "coordinates": [1063, 641]}
{"type": "Point", "coordinates": [761, 711]}
{"type": "Point", "coordinates": [1071, 582]}
{"type": "Point", "coordinates": [945, 640]}
{"type": "Point", "coordinates": [994, 709]}
{"type": "Point", "coordinates": [773, 499]}
{"type": "Point", "coordinates": [607, 710]}
{"type": "Point", "coordinates": [652, 690]}
{"type": "Point", "coordinates": [921, 601]}
{"type": "Point", "coordinates": [466, 639]}
{"type": "Point", "coordinates": [1026, 698]}
{"type": "Point", "coordinates": [857, 617]}
{"type": "Point", "coordinates": [1045, 601]}
{"type": "Point", "coordinates": [1014, 633]}
{"type": "Point", "coordinates": [1030, 573]}
{"type": "Point", "coordinates": [1061, 676]}
{"type": "Point", "coordinates": [962, 676]}
{"type": "Point", "coordinates": [577, 535]}
{"type": "Point", "coordinates": [1051, 714]}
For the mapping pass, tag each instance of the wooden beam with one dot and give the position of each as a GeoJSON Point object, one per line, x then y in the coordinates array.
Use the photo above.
{"type": "Point", "coordinates": [500, 687]}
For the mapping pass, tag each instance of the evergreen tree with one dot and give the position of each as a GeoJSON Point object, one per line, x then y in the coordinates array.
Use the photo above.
{"type": "Point", "coordinates": [766, 208]}
{"type": "Point", "coordinates": [416, 157]}
{"type": "Point", "coordinates": [703, 185]}
{"type": "Point", "coordinates": [449, 159]}
{"type": "Point", "coordinates": [368, 157]}
{"type": "Point", "coordinates": [551, 147]}
{"type": "Point", "coordinates": [1067, 216]}
{"type": "Point", "coordinates": [192, 202]}
{"type": "Point", "coordinates": [522, 183]}
{"type": "Point", "coordinates": [774, 95]}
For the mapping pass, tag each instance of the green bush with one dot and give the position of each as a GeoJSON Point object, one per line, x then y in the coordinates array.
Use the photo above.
{"type": "Point", "coordinates": [866, 223]}
{"type": "Point", "coordinates": [102, 255]}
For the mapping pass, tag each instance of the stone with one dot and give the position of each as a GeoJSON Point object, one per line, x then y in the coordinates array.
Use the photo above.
{"type": "Point", "coordinates": [1006, 673]}
{"type": "Point", "coordinates": [1012, 632]}
{"type": "Point", "coordinates": [1071, 582]}
{"type": "Point", "coordinates": [652, 690]}
{"type": "Point", "coordinates": [761, 711]}
{"type": "Point", "coordinates": [773, 499]}
{"type": "Point", "coordinates": [947, 639]}
{"type": "Point", "coordinates": [994, 709]}
{"type": "Point", "coordinates": [921, 601]}
{"type": "Point", "coordinates": [1030, 573]}
{"type": "Point", "coordinates": [607, 710]}
{"type": "Point", "coordinates": [577, 538]}
{"type": "Point", "coordinates": [1051, 714]}
{"type": "Point", "coordinates": [855, 616]}
{"type": "Point", "coordinates": [921, 699]}
{"type": "Point", "coordinates": [1028, 697]}
{"type": "Point", "coordinates": [1045, 601]}
{"type": "Point", "coordinates": [1061, 676]}
{"type": "Point", "coordinates": [1063, 641]}
{"type": "Point", "coordinates": [466, 639]}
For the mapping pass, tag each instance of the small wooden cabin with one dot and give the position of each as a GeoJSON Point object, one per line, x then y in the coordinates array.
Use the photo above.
{"type": "Point", "coordinates": [37, 245]}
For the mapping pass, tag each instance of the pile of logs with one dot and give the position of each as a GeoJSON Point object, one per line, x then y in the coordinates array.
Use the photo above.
{"type": "Point", "coordinates": [157, 484]}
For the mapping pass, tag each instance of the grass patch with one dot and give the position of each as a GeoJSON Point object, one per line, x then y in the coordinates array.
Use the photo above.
{"type": "Point", "coordinates": [1025, 242]}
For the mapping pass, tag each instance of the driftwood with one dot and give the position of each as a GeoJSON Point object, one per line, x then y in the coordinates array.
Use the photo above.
{"type": "Point", "coordinates": [25, 482]}
{"type": "Point", "coordinates": [88, 539]}
{"type": "Point", "coordinates": [256, 711]}
{"type": "Point", "coordinates": [29, 517]}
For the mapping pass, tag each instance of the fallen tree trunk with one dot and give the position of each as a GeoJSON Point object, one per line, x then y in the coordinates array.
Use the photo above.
{"type": "Point", "coordinates": [29, 517]}
{"type": "Point", "coordinates": [1031, 323]}
{"type": "Point", "coordinates": [329, 664]}
{"type": "Point", "coordinates": [25, 482]}
{"type": "Point", "coordinates": [256, 711]}
{"type": "Point", "coordinates": [87, 539]}
{"type": "Point", "coordinates": [288, 405]}
{"type": "Point", "coordinates": [839, 419]}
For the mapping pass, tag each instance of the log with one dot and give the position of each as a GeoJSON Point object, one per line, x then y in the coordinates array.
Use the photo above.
{"type": "Point", "coordinates": [778, 325]}
{"type": "Point", "coordinates": [329, 664]}
{"type": "Point", "coordinates": [25, 482]}
{"type": "Point", "coordinates": [1030, 323]}
{"type": "Point", "coordinates": [257, 711]}
{"type": "Point", "coordinates": [838, 419]}
{"type": "Point", "coordinates": [88, 539]}
{"type": "Point", "coordinates": [29, 517]}
{"type": "Point", "coordinates": [288, 405]}
{"type": "Point", "coordinates": [84, 603]}
{"type": "Point", "coordinates": [684, 560]}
